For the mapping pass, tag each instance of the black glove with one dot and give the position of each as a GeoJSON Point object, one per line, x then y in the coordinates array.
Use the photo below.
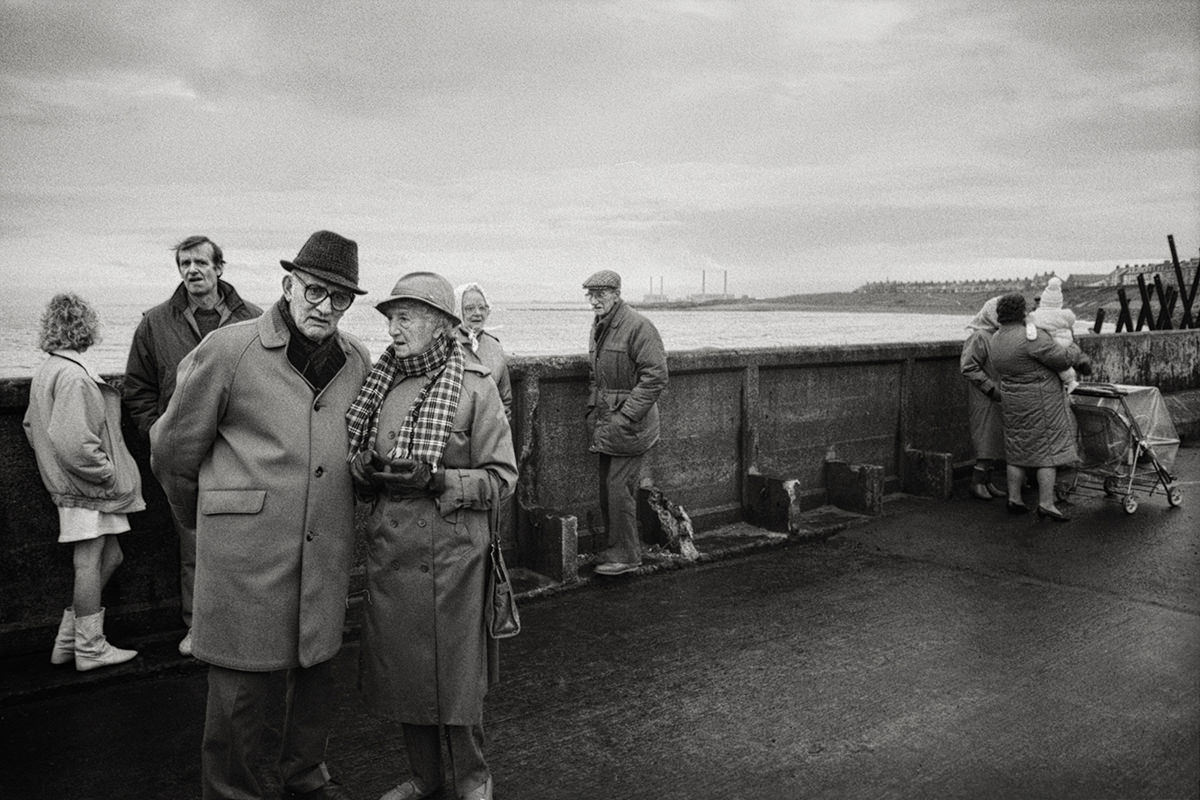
{"type": "Point", "coordinates": [1084, 367]}
{"type": "Point", "coordinates": [993, 394]}
{"type": "Point", "coordinates": [364, 465]}
{"type": "Point", "coordinates": [403, 474]}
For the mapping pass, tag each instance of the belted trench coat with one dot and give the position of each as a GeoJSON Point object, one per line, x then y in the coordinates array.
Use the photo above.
{"type": "Point", "coordinates": [425, 651]}
{"type": "Point", "coordinates": [255, 460]}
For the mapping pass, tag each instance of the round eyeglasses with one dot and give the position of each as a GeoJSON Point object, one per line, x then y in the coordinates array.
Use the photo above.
{"type": "Point", "coordinates": [316, 295]}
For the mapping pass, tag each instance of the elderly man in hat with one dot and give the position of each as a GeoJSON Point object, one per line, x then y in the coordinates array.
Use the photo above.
{"type": "Point", "coordinates": [252, 452]}
{"type": "Point", "coordinates": [169, 331]}
{"type": "Point", "coordinates": [430, 445]}
{"type": "Point", "coordinates": [628, 373]}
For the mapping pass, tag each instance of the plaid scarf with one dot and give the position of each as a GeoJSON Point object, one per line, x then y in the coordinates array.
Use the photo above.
{"type": "Point", "coordinates": [427, 426]}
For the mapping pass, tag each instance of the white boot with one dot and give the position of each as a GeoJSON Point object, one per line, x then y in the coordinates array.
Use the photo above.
{"type": "Point", "coordinates": [64, 643]}
{"type": "Point", "coordinates": [92, 650]}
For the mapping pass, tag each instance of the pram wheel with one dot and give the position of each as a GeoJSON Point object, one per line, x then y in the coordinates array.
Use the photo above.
{"type": "Point", "coordinates": [1174, 496]}
{"type": "Point", "coordinates": [1130, 504]}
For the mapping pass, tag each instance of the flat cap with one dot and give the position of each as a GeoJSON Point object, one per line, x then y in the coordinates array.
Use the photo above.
{"type": "Point", "coordinates": [604, 279]}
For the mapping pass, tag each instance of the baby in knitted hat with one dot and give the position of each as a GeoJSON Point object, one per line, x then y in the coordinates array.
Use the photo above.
{"type": "Point", "coordinates": [1059, 322]}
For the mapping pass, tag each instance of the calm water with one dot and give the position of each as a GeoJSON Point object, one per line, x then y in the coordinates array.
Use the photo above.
{"type": "Point", "coordinates": [539, 330]}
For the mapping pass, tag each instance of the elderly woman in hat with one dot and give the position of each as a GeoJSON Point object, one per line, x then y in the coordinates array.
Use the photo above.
{"type": "Point", "coordinates": [430, 449]}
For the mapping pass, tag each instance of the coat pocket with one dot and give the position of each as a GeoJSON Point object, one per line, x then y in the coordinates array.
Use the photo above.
{"type": "Point", "coordinates": [232, 501]}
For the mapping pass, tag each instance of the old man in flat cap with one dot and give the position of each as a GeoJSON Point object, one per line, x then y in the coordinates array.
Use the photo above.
{"type": "Point", "coordinates": [628, 373]}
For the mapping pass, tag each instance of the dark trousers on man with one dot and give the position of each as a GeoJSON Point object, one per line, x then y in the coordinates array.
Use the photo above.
{"type": "Point", "coordinates": [620, 477]}
{"type": "Point", "coordinates": [465, 745]}
{"type": "Point", "coordinates": [236, 717]}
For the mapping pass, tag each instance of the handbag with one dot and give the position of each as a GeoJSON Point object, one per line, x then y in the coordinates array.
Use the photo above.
{"type": "Point", "coordinates": [503, 619]}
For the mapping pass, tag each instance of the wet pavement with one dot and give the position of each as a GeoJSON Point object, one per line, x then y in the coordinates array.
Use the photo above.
{"type": "Point", "coordinates": [943, 650]}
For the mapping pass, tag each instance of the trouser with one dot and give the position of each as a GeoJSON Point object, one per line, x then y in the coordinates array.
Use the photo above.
{"type": "Point", "coordinates": [187, 569]}
{"type": "Point", "coordinates": [619, 479]}
{"type": "Point", "coordinates": [236, 717]}
{"type": "Point", "coordinates": [465, 745]}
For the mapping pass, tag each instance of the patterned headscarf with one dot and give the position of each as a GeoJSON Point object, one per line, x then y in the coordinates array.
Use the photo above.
{"type": "Point", "coordinates": [459, 291]}
{"type": "Point", "coordinates": [986, 320]}
{"type": "Point", "coordinates": [430, 418]}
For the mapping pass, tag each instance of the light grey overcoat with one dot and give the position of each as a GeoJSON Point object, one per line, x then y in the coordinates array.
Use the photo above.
{"type": "Point", "coordinates": [255, 460]}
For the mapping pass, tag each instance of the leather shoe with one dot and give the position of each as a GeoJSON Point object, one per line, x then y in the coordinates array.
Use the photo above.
{"type": "Point", "coordinates": [483, 792]}
{"type": "Point", "coordinates": [1053, 514]}
{"type": "Point", "coordinates": [411, 789]}
{"type": "Point", "coordinates": [1017, 508]}
{"type": "Point", "coordinates": [330, 791]}
{"type": "Point", "coordinates": [617, 567]}
{"type": "Point", "coordinates": [980, 492]}
{"type": "Point", "coordinates": [995, 491]}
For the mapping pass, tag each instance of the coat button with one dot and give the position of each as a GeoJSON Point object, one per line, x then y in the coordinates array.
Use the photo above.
{"type": "Point", "coordinates": [319, 471]}
{"type": "Point", "coordinates": [424, 568]}
{"type": "Point", "coordinates": [310, 536]}
{"type": "Point", "coordinates": [395, 565]}
{"type": "Point", "coordinates": [391, 434]}
{"type": "Point", "coordinates": [316, 407]}
{"type": "Point", "coordinates": [394, 522]}
{"type": "Point", "coordinates": [421, 523]}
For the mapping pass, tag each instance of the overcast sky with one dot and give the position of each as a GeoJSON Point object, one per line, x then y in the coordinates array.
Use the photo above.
{"type": "Point", "coordinates": [800, 146]}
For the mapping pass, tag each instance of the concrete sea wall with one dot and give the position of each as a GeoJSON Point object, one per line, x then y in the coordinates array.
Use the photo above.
{"type": "Point", "coordinates": [732, 419]}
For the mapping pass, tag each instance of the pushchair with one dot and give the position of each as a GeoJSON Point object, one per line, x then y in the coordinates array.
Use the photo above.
{"type": "Point", "coordinates": [1127, 444]}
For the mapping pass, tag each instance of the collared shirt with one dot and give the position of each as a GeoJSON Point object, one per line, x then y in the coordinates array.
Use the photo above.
{"type": "Point", "coordinates": [193, 306]}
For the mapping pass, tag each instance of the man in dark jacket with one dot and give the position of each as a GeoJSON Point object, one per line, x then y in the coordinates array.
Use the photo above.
{"type": "Point", "coordinates": [169, 331]}
{"type": "Point", "coordinates": [628, 373]}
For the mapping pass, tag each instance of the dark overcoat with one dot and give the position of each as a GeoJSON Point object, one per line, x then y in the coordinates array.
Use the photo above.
{"type": "Point", "coordinates": [424, 655]}
{"type": "Point", "coordinates": [255, 460]}
{"type": "Point", "coordinates": [1039, 427]}
{"type": "Point", "coordinates": [628, 373]}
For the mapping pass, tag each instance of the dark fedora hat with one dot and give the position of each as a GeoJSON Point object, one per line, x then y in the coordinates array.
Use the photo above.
{"type": "Point", "coordinates": [330, 257]}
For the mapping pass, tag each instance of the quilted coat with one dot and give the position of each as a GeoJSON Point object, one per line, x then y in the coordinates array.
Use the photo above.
{"type": "Point", "coordinates": [425, 656]}
{"type": "Point", "coordinates": [255, 460]}
{"type": "Point", "coordinates": [1039, 427]}
{"type": "Point", "coordinates": [628, 373]}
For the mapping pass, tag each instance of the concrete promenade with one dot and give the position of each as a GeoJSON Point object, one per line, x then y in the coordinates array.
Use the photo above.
{"type": "Point", "coordinates": [942, 650]}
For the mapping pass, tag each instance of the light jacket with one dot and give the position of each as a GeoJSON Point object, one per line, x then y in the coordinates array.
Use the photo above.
{"type": "Point", "coordinates": [257, 463]}
{"type": "Point", "coordinates": [983, 397]}
{"type": "Point", "coordinates": [628, 373]}
{"type": "Point", "coordinates": [490, 354]}
{"type": "Point", "coordinates": [1039, 428]}
{"type": "Point", "coordinates": [425, 652]}
{"type": "Point", "coordinates": [163, 337]}
{"type": "Point", "coordinates": [74, 425]}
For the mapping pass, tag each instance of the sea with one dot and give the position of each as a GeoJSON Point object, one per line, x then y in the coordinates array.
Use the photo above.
{"type": "Point", "coordinates": [539, 329]}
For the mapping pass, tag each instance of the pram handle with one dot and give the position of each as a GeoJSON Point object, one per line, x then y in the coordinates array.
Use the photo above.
{"type": "Point", "coordinates": [1099, 390]}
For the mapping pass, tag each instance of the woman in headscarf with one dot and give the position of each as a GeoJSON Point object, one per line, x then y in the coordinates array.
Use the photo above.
{"type": "Point", "coordinates": [983, 402]}
{"type": "Point", "coordinates": [481, 345]}
{"type": "Point", "coordinates": [430, 447]}
{"type": "Point", "coordinates": [1039, 428]}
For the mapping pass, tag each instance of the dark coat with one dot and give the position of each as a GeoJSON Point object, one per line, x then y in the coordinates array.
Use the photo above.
{"type": "Point", "coordinates": [425, 650]}
{"type": "Point", "coordinates": [163, 337]}
{"type": "Point", "coordinates": [983, 397]}
{"type": "Point", "coordinates": [1039, 427]}
{"type": "Point", "coordinates": [257, 463]}
{"type": "Point", "coordinates": [628, 373]}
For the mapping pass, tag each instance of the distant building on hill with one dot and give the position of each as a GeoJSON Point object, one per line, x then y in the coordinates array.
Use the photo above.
{"type": "Point", "coordinates": [1128, 274]}
{"type": "Point", "coordinates": [994, 286]}
{"type": "Point", "coordinates": [1120, 276]}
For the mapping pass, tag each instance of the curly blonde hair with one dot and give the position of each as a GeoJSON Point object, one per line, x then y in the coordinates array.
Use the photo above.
{"type": "Point", "coordinates": [68, 323]}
